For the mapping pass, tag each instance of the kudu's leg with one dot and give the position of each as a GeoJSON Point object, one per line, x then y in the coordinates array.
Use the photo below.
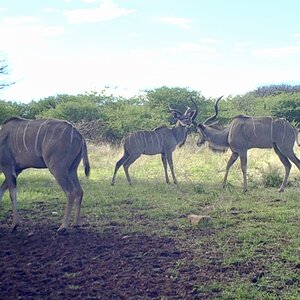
{"type": "Point", "coordinates": [165, 164]}
{"type": "Point", "coordinates": [131, 159]}
{"type": "Point", "coordinates": [11, 183]}
{"type": "Point", "coordinates": [118, 165]}
{"type": "Point", "coordinates": [78, 196]}
{"type": "Point", "coordinates": [170, 162]}
{"type": "Point", "coordinates": [13, 197]}
{"type": "Point", "coordinates": [289, 153]}
{"type": "Point", "coordinates": [243, 158]}
{"type": "Point", "coordinates": [234, 156]}
{"type": "Point", "coordinates": [287, 166]}
{"type": "Point", "coordinates": [65, 181]}
{"type": "Point", "coordinates": [4, 186]}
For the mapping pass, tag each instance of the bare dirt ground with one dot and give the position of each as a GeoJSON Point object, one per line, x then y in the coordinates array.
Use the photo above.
{"type": "Point", "coordinates": [38, 263]}
{"type": "Point", "coordinates": [105, 263]}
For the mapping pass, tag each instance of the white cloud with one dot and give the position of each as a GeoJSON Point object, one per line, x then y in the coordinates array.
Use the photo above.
{"type": "Point", "coordinates": [49, 10]}
{"type": "Point", "coordinates": [296, 35]}
{"type": "Point", "coordinates": [210, 41]}
{"type": "Point", "coordinates": [199, 52]}
{"type": "Point", "coordinates": [22, 20]}
{"type": "Point", "coordinates": [277, 52]}
{"type": "Point", "coordinates": [182, 23]}
{"type": "Point", "coordinates": [23, 39]}
{"type": "Point", "coordinates": [241, 47]}
{"type": "Point", "coordinates": [26, 31]}
{"type": "Point", "coordinates": [90, 1]}
{"type": "Point", "coordinates": [108, 10]}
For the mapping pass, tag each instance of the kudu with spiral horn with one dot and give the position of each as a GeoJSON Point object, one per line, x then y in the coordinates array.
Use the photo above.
{"type": "Point", "coordinates": [244, 133]}
{"type": "Point", "coordinates": [162, 140]}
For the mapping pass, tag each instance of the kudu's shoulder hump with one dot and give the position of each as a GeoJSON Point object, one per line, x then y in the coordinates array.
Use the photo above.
{"type": "Point", "coordinates": [160, 127]}
{"type": "Point", "coordinates": [13, 119]}
{"type": "Point", "coordinates": [241, 117]}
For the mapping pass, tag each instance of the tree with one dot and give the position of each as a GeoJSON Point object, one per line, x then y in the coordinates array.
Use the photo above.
{"type": "Point", "coordinates": [289, 108]}
{"type": "Point", "coordinates": [275, 89]}
{"type": "Point", "coordinates": [7, 110]}
{"type": "Point", "coordinates": [74, 111]}
{"type": "Point", "coordinates": [3, 73]}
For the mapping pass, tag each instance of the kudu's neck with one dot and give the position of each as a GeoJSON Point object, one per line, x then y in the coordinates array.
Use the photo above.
{"type": "Point", "coordinates": [217, 136]}
{"type": "Point", "coordinates": [180, 133]}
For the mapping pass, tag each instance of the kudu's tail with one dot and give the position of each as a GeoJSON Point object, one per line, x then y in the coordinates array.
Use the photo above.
{"type": "Point", "coordinates": [85, 159]}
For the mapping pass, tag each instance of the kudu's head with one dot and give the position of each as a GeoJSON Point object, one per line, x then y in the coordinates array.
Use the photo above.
{"type": "Point", "coordinates": [203, 127]}
{"type": "Point", "coordinates": [186, 119]}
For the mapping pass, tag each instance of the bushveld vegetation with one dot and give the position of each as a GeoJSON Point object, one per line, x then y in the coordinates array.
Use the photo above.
{"type": "Point", "coordinates": [105, 117]}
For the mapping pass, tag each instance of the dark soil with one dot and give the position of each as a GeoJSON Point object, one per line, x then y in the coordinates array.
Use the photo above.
{"type": "Point", "coordinates": [38, 263]}
{"type": "Point", "coordinates": [106, 262]}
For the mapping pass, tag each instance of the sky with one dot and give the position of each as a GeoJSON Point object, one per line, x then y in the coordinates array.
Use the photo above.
{"type": "Point", "coordinates": [216, 47]}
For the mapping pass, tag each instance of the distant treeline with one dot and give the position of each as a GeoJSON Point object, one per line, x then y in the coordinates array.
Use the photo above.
{"type": "Point", "coordinates": [103, 117]}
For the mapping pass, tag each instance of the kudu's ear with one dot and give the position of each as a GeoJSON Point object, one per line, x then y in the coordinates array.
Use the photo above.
{"type": "Point", "coordinates": [175, 114]}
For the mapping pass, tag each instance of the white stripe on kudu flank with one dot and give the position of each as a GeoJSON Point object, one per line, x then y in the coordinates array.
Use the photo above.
{"type": "Point", "coordinates": [24, 135]}
{"type": "Point", "coordinates": [158, 141]}
{"type": "Point", "coordinates": [145, 139]}
{"type": "Point", "coordinates": [62, 133]}
{"type": "Point", "coordinates": [72, 135]}
{"type": "Point", "coordinates": [16, 138]}
{"type": "Point", "coordinates": [254, 128]}
{"type": "Point", "coordinates": [284, 130]}
{"type": "Point", "coordinates": [37, 137]}
{"type": "Point", "coordinates": [151, 137]}
{"type": "Point", "coordinates": [272, 121]}
{"type": "Point", "coordinates": [138, 138]}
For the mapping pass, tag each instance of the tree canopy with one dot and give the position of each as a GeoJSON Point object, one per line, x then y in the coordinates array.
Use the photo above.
{"type": "Point", "coordinates": [112, 117]}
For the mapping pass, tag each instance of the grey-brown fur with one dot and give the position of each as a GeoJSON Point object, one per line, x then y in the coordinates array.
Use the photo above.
{"type": "Point", "coordinates": [162, 140]}
{"type": "Point", "coordinates": [51, 144]}
{"type": "Point", "coordinates": [246, 132]}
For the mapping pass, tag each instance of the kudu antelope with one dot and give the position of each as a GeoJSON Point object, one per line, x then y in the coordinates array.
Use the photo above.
{"type": "Point", "coordinates": [246, 132]}
{"type": "Point", "coordinates": [162, 140]}
{"type": "Point", "coordinates": [51, 144]}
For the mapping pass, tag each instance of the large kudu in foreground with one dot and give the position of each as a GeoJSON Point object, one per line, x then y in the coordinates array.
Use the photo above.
{"type": "Point", "coordinates": [244, 133]}
{"type": "Point", "coordinates": [162, 140]}
{"type": "Point", "coordinates": [51, 144]}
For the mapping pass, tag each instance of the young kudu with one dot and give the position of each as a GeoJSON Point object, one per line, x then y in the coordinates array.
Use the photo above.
{"type": "Point", "coordinates": [246, 132]}
{"type": "Point", "coordinates": [51, 144]}
{"type": "Point", "coordinates": [162, 140]}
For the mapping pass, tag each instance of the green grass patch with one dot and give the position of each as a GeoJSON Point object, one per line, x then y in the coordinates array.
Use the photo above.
{"type": "Point", "coordinates": [252, 241]}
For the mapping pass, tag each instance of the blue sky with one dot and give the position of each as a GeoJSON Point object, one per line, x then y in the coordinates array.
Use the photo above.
{"type": "Point", "coordinates": [216, 47]}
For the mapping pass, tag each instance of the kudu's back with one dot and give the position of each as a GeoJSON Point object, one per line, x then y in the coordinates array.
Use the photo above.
{"type": "Point", "coordinates": [262, 132]}
{"type": "Point", "coordinates": [40, 143]}
{"type": "Point", "coordinates": [150, 142]}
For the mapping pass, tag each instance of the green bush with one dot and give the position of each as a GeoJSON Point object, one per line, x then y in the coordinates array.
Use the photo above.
{"type": "Point", "coordinates": [272, 177]}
